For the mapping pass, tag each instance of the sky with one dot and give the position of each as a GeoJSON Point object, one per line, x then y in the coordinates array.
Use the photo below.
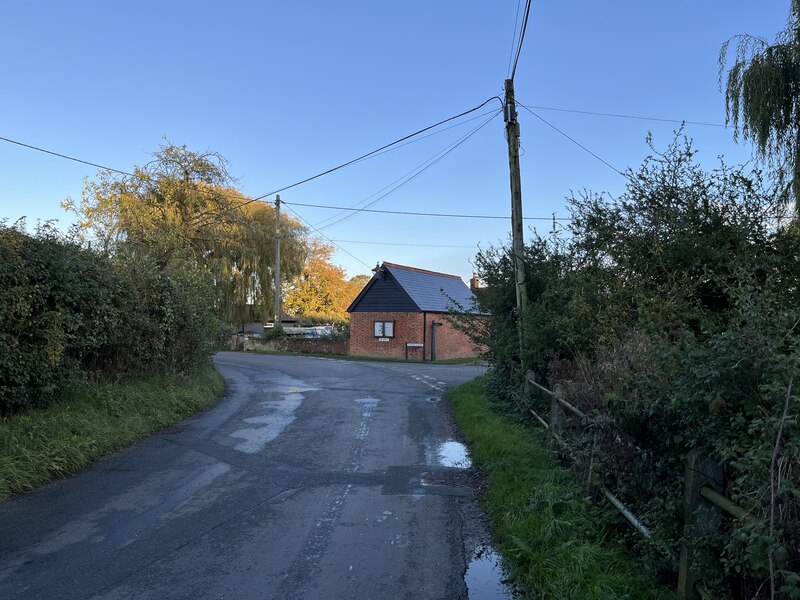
{"type": "Point", "coordinates": [286, 90]}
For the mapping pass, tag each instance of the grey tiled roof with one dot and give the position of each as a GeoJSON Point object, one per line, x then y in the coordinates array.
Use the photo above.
{"type": "Point", "coordinates": [432, 291]}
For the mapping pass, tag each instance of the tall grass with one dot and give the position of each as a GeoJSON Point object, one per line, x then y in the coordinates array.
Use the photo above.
{"type": "Point", "coordinates": [94, 419]}
{"type": "Point", "coordinates": [551, 538]}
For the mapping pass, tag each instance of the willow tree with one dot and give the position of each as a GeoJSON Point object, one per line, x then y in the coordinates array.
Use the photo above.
{"type": "Point", "coordinates": [182, 209]}
{"type": "Point", "coordinates": [762, 97]}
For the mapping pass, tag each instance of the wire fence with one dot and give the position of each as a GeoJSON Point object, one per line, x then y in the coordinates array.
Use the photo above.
{"type": "Point", "coordinates": [704, 500]}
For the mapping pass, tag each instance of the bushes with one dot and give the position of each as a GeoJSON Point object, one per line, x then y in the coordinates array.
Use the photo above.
{"type": "Point", "coordinates": [57, 306]}
{"type": "Point", "coordinates": [672, 314]}
{"type": "Point", "coordinates": [65, 310]}
{"type": "Point", "coordinates": [173, 323]}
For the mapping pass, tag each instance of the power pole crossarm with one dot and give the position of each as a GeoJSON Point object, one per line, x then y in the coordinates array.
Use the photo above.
{"type": "Point", "coordinates": [277, 319]}
{"type": "Point", "coordinates": [518, 243]}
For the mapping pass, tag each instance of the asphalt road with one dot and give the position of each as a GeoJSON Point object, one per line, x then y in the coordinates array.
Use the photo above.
{"type": "Point", "coordinates": [312, 478]}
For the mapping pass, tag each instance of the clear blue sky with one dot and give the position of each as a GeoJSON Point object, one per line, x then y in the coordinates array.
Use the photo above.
{"type": "Point", "coordinates": [288, 89]}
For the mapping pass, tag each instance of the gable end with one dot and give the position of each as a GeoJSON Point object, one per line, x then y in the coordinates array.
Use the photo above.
{"type": "Point", "coordinates": [383, 294]}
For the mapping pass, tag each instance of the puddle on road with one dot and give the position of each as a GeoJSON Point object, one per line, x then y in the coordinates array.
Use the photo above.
{"type": "Point", "coordinates": [453, 454]}
{"type": "Point", "coordinates": [449, 453]}
{"type": "Point", "coordinates": [279, 413]}
{"type": "Point", "coordinates": [484, 577]}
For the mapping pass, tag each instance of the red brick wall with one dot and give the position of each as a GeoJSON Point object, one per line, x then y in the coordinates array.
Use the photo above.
{"type": "Point", "coordinates": [302, 345]}
{"type": "Point", "coordinates": [408, 327]}
{"type": "Point", "coordinates": [312, 346]}
{"type": "Point", "coordinates": [450, 343]}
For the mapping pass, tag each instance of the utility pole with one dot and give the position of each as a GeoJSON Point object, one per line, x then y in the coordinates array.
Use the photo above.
{"type": "Point", "coordinates": [277, 320]}
{"type": "Point", "coordinates": [517, 245]}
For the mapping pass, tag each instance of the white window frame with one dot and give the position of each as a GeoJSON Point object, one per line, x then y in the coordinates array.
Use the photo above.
{"type": "Point", "coordinates": [383, 329]}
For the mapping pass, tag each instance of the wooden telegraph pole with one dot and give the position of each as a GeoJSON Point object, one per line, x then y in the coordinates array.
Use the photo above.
{"type": "Point", "coordinates": [518, 244]}
{"type": "Point", "coordinates": [277, 319]}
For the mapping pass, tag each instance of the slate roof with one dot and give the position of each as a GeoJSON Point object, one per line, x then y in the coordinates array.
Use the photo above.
{"type": "Point", "coordinates": [428, 290]}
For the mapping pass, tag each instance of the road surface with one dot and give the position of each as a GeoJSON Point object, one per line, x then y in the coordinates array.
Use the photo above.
{"type": "Point", "coordinates": [312, 478]}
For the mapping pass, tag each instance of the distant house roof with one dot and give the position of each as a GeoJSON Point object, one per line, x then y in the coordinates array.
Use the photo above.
{"type": "Point", "coordinates": [255, 313]}
{"type": "Point", "coordinates": [287, 318]}
{"type": "Point", "coordinates": [408, 289]}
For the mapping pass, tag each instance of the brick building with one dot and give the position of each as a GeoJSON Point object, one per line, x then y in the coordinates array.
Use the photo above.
{"type": "Point", "coordinates": [399, 314]}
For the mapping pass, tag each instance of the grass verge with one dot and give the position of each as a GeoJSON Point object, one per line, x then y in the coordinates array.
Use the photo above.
{"type": "Point", "coordinates": [94, 419]}
{"type": "Point", "coordinates": [552, 540]}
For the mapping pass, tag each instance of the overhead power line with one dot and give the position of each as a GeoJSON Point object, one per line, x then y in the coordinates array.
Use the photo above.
{"type": "Point", "coordinates": [297, 183]}
{"type": "Point", "coordinates": [411, 175]}
{"type": "Point", "coordinates": [421, 214]}
{"type": "Point", "coordinates": [576, 142]}
{"type": "Point", "coordinates": [621, 116]}
{"type": "Point", "coordinates": [377, 150]}
{"type": "Point", "coordinates": [65, 156]}
{"type": "Point", "coordinates": [407, 139]}
{"type": "Point", "coordinates": [417, 171]}
{"type": "Point", "coordinates": [442, 130]}
{"type": "Point", "coordinates": [514, 37]}
{"type": "Point", "coordinates": [354, 257]}
{"type": "Point", "coordinates": [521, 37]}
{"type": "Point", "coordinates": [401, 244]}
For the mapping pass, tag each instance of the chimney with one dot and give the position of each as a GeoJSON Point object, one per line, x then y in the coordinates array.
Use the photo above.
{"type": "Point", "coordinates": [474, 283]}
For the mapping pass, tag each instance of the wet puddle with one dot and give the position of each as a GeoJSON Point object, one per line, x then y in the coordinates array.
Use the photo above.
{"type": "Point", "coordinates": [484, 577]}
{"type": "Point", "coordinates": [278, 416]}
{"type": "Point", "coordinates": [453, 454]}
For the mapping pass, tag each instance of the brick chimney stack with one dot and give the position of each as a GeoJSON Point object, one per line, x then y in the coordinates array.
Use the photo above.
{"type": "Point", "coordinates": [474, 283]}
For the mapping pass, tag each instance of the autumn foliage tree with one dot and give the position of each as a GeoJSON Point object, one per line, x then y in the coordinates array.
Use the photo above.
{"type": "Point", "coordinates": [181, 210]}
{"type": "Point", "coordinates": [322, 290]}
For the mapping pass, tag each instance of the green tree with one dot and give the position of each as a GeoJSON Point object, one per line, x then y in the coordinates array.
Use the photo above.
{"type": "Point", "coordinates": [183, 208]}
{"type": "Point", "coordinates": [359, 281]}
{"type": "Point", "coordinates": [762, 96]}
{"type": "Point", "coordinates": [670, 314]}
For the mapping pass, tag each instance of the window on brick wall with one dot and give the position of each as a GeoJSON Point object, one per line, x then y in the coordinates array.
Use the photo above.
{"type": "Point", "coordinates": [384, 329]}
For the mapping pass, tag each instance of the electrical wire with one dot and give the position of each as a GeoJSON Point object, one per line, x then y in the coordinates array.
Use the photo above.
{"type": "Point", "coordinates": [628, 177]}
{"type": "Point", "coordinates": [621, 116]}
{"type": "Point", "coordinates": [398, 143]}
{"type": "Point", "coordinates": [513, 38]}
{"type": "Point", "coordinates": [295, 213]}
{"type": "Point", "coordinates": [106, 168]}
{"type": "Point", "coordinates": [421, 214]}
{"type": "Point", "coordinates": [324, 222]}
{"type": "Point", "coordinates": [377, 150]}
{"type": "Point", "coordinates": [576, 142]}
{"type": "Point", "coordinates": [66, 156]}
{"type": "Point", "coordinates": [262, 196]}
{"type": "Point", "coordinates": [424, 137]}
{"type": "Point", "coordinates": [400, 244]}
{"type": "Point", "coordinates": [521, 37]}
{"type": "Point", "coordinates": [419, 170]}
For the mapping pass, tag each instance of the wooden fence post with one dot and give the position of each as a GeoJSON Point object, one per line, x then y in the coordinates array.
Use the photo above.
{"type": "Point", "coordinates": [555, 416]}
{"type": "Point", "coordinates": [592, 468]}
{"type": "Point", "coordinates": [699, 516]}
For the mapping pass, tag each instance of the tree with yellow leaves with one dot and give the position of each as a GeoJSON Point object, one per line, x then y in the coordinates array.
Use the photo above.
{"type": "Point", "coordinates": [322, 289]}
{"type": "Point", "coordinates": [181, 210]}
